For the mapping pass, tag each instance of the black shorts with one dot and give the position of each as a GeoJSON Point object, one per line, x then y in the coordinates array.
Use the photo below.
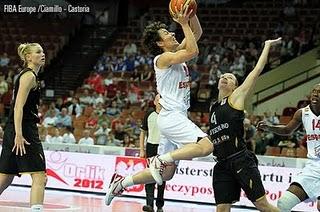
{"type": "Point", "coordinates": [234, 174]}
{"type": "Point", "coordinates": [32, 161]}
{"type": "Point", "coordinates": [151, 150]}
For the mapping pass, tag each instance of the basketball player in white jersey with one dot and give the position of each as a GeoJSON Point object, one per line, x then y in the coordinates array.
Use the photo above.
{"type": "Point", "coordinates": [173, 85]}
{"type": "Point", "coordinates": [307, 183]}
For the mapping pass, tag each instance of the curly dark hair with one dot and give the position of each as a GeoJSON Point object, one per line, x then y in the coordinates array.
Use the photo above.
{"type": "Point", "coordinates": [151, 36]}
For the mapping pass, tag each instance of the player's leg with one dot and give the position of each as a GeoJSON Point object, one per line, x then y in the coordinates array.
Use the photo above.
{"type": "Point", "coordinates": [119, 183]}
{"type": "Point", "coordinates": [318, 203]}
{"type": "Point", "coordinates": [33, 163]}
{"type": "Point", "coordinates": [304, 186]}
{"type": "Point", "coordinates": [293, 196]}
{"type": "Point", "coordinates": [226, 188]}
{"type": "Point", "coordinates": [39, 181]}
{"type": "Point", "coordinates": [245, 168]}
{"type": "Point", "coordinates": [151, 150]}
{"type": "Point", "coordinates": [5, 181]}
{"type": "Point", "coordinates": [8, 163]}
{"type": "Point", "coordinates": [262, 204]}
{"type": "Point", "coordinates": [190, 139]}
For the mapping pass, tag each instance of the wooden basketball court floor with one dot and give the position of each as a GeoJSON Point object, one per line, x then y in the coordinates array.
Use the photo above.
{"type": "Point", "coordinates": [15, 199]}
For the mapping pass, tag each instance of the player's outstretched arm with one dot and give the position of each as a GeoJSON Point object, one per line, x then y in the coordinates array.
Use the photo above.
{"type": "Point", "coordinates": [284, 130]}
{"type": "Point", "coordinates": [239, 95]}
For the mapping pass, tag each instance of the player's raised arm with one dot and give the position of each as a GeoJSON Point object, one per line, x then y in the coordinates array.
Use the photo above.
{"type": "Point", "coordinates": [174, 56]}
{"type": "Point", "coordinates": [196, 29]}
{"type": "Point", "coordinates": [238, 96]}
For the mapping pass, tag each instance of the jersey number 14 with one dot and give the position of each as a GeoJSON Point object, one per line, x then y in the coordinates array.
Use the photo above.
{"type": "Point", "coordinates": [315, 124]}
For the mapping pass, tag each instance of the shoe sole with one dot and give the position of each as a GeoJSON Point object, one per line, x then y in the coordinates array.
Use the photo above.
{"type": "Point", "coordinates": [109, 193]}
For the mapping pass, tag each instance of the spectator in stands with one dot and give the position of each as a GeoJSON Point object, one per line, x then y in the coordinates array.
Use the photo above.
{"type": "Point", "coordinates": [92, 121]}
{"type": "Point", "coordinates": [146, 73]}
{"type": "Point", "coordinates": [60, 104]}
{"type": "Point", "coordinates": [63, 119]}
{"type": "Point", "coordinates": [287, 142]}
{"type": "Point", "coordinates": [43, 135]}
{"type": "Point", "coordinates": [224, 66]}
{"type": "Point", "coordinates": [97, 98]}
{"type": "Point", "coordinates": [4, 60]}
{"type": "Point", "coordinates": [287, 51]}
{"type": "Point", "coordinates": [86, 98]}
{"type": "Point", "coordinates": [113, 110]}
{"type": "Point", "coordinates": [104, 118]}
{"type": "Point", "coordinates": [56, 138]}
{"type": "Point", "coordinates": [128, 141]}
{"type": "Point", "coordinates": [214, 75]}
{"type": "Point", "coordinates": [99, 109]}
{"type": "Point", "coordinates": [10, 76]}
{"type": "Point", "coordinates": [129, 62]}
{"type": "Point", "coordinates": [120, 65]}
{"type": "Point", "coordinates": [260, 142]}
{"type": "Point", "coordinates": [270, 119]}
{"type": "Point", "coordinates": [52, 106]}
{"type": "Point", "coordinates": [51, 120]}
{"type": "Point", "coordinates": [130, 49]}
{"type": "Point", "coordinates": [109, 79]}
{"type": "Point", "coordinates": [249, 131]}
{"type": "Point", "coordinates": [3, 85]}
{"type": "Point", "coordinates": [75, 109]}
{"type": "Point", "coordinates": [68, 136]}
{"type": "Point", "coordinates": [86, 139]}
{"type": "Point", "coordinates": [119, 134]}
{"type": "Point", "coordinates": [102, 134]}
{"type": "Point", "coordinates": [237, 68]}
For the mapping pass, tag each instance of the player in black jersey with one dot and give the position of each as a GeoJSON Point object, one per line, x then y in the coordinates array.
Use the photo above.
{"type": "Point", "coordinates": [22, 151]}
{"type": "Point", "coordinates": [236, 166]}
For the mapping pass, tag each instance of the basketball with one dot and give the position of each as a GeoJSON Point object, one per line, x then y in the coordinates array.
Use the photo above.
{"type": "Point", "coordinates": [176, 5]}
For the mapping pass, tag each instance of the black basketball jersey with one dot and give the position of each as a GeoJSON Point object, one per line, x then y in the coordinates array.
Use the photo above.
{"type": "Point", "coordinates": [30, 109]}
{"type": "Point", "coordinates": [226, 129]}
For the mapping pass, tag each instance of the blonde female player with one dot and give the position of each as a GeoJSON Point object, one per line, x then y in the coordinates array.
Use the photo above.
{"type": "Point", "coordinates": [22, 151]}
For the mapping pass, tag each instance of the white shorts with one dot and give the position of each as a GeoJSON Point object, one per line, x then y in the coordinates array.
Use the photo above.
{"type": "Point", "coordinates": [309, 178]}
{"type": "Point", "coordinates": [176, 130]}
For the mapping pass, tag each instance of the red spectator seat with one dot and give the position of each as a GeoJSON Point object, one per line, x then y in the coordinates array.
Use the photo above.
{"type": "Point", "coordinates": [273, 151]}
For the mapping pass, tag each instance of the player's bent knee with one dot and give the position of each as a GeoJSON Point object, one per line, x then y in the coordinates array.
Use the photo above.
{"type": "Point", "coordinates": [287, 201]}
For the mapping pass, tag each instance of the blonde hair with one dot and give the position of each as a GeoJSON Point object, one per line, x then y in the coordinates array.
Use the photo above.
{"type": "Point", "coordinates": [24, 49]}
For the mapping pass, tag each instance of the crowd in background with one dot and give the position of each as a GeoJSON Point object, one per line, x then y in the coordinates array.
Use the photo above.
{"type": "Point", "coordinates": [103, 111]}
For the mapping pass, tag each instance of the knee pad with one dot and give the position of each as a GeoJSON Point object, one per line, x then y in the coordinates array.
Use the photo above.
{"type": "Point", "coordinates": [287, 201]}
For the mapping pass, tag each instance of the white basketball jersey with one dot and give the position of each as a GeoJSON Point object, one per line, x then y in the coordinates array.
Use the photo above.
{"type": "Point", "coordinates": [173, 84]}
{"type": "Point", "coordinates": [311, 123]}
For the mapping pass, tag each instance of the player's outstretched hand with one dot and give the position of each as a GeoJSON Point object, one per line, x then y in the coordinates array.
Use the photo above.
{"type": "Point", "coordinates": [273, 42]}
{"type": "Point", "coordinates": [262, 125]}
{"type": "Point", "coordinates": [183, 15]}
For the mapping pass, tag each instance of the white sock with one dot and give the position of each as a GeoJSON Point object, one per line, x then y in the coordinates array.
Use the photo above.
{"type": "Point", "coordinates": [166, 158]}
{"type": "Point", "coordinates": [128, 181]}
{"type": "Point", "coordinates": [37, 208]}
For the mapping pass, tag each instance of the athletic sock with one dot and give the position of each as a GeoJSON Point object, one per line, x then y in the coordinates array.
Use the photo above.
{"type": "Point", "coordinates": [128, 181]}
{"type": "Point", "coordinates": [166, 158]}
